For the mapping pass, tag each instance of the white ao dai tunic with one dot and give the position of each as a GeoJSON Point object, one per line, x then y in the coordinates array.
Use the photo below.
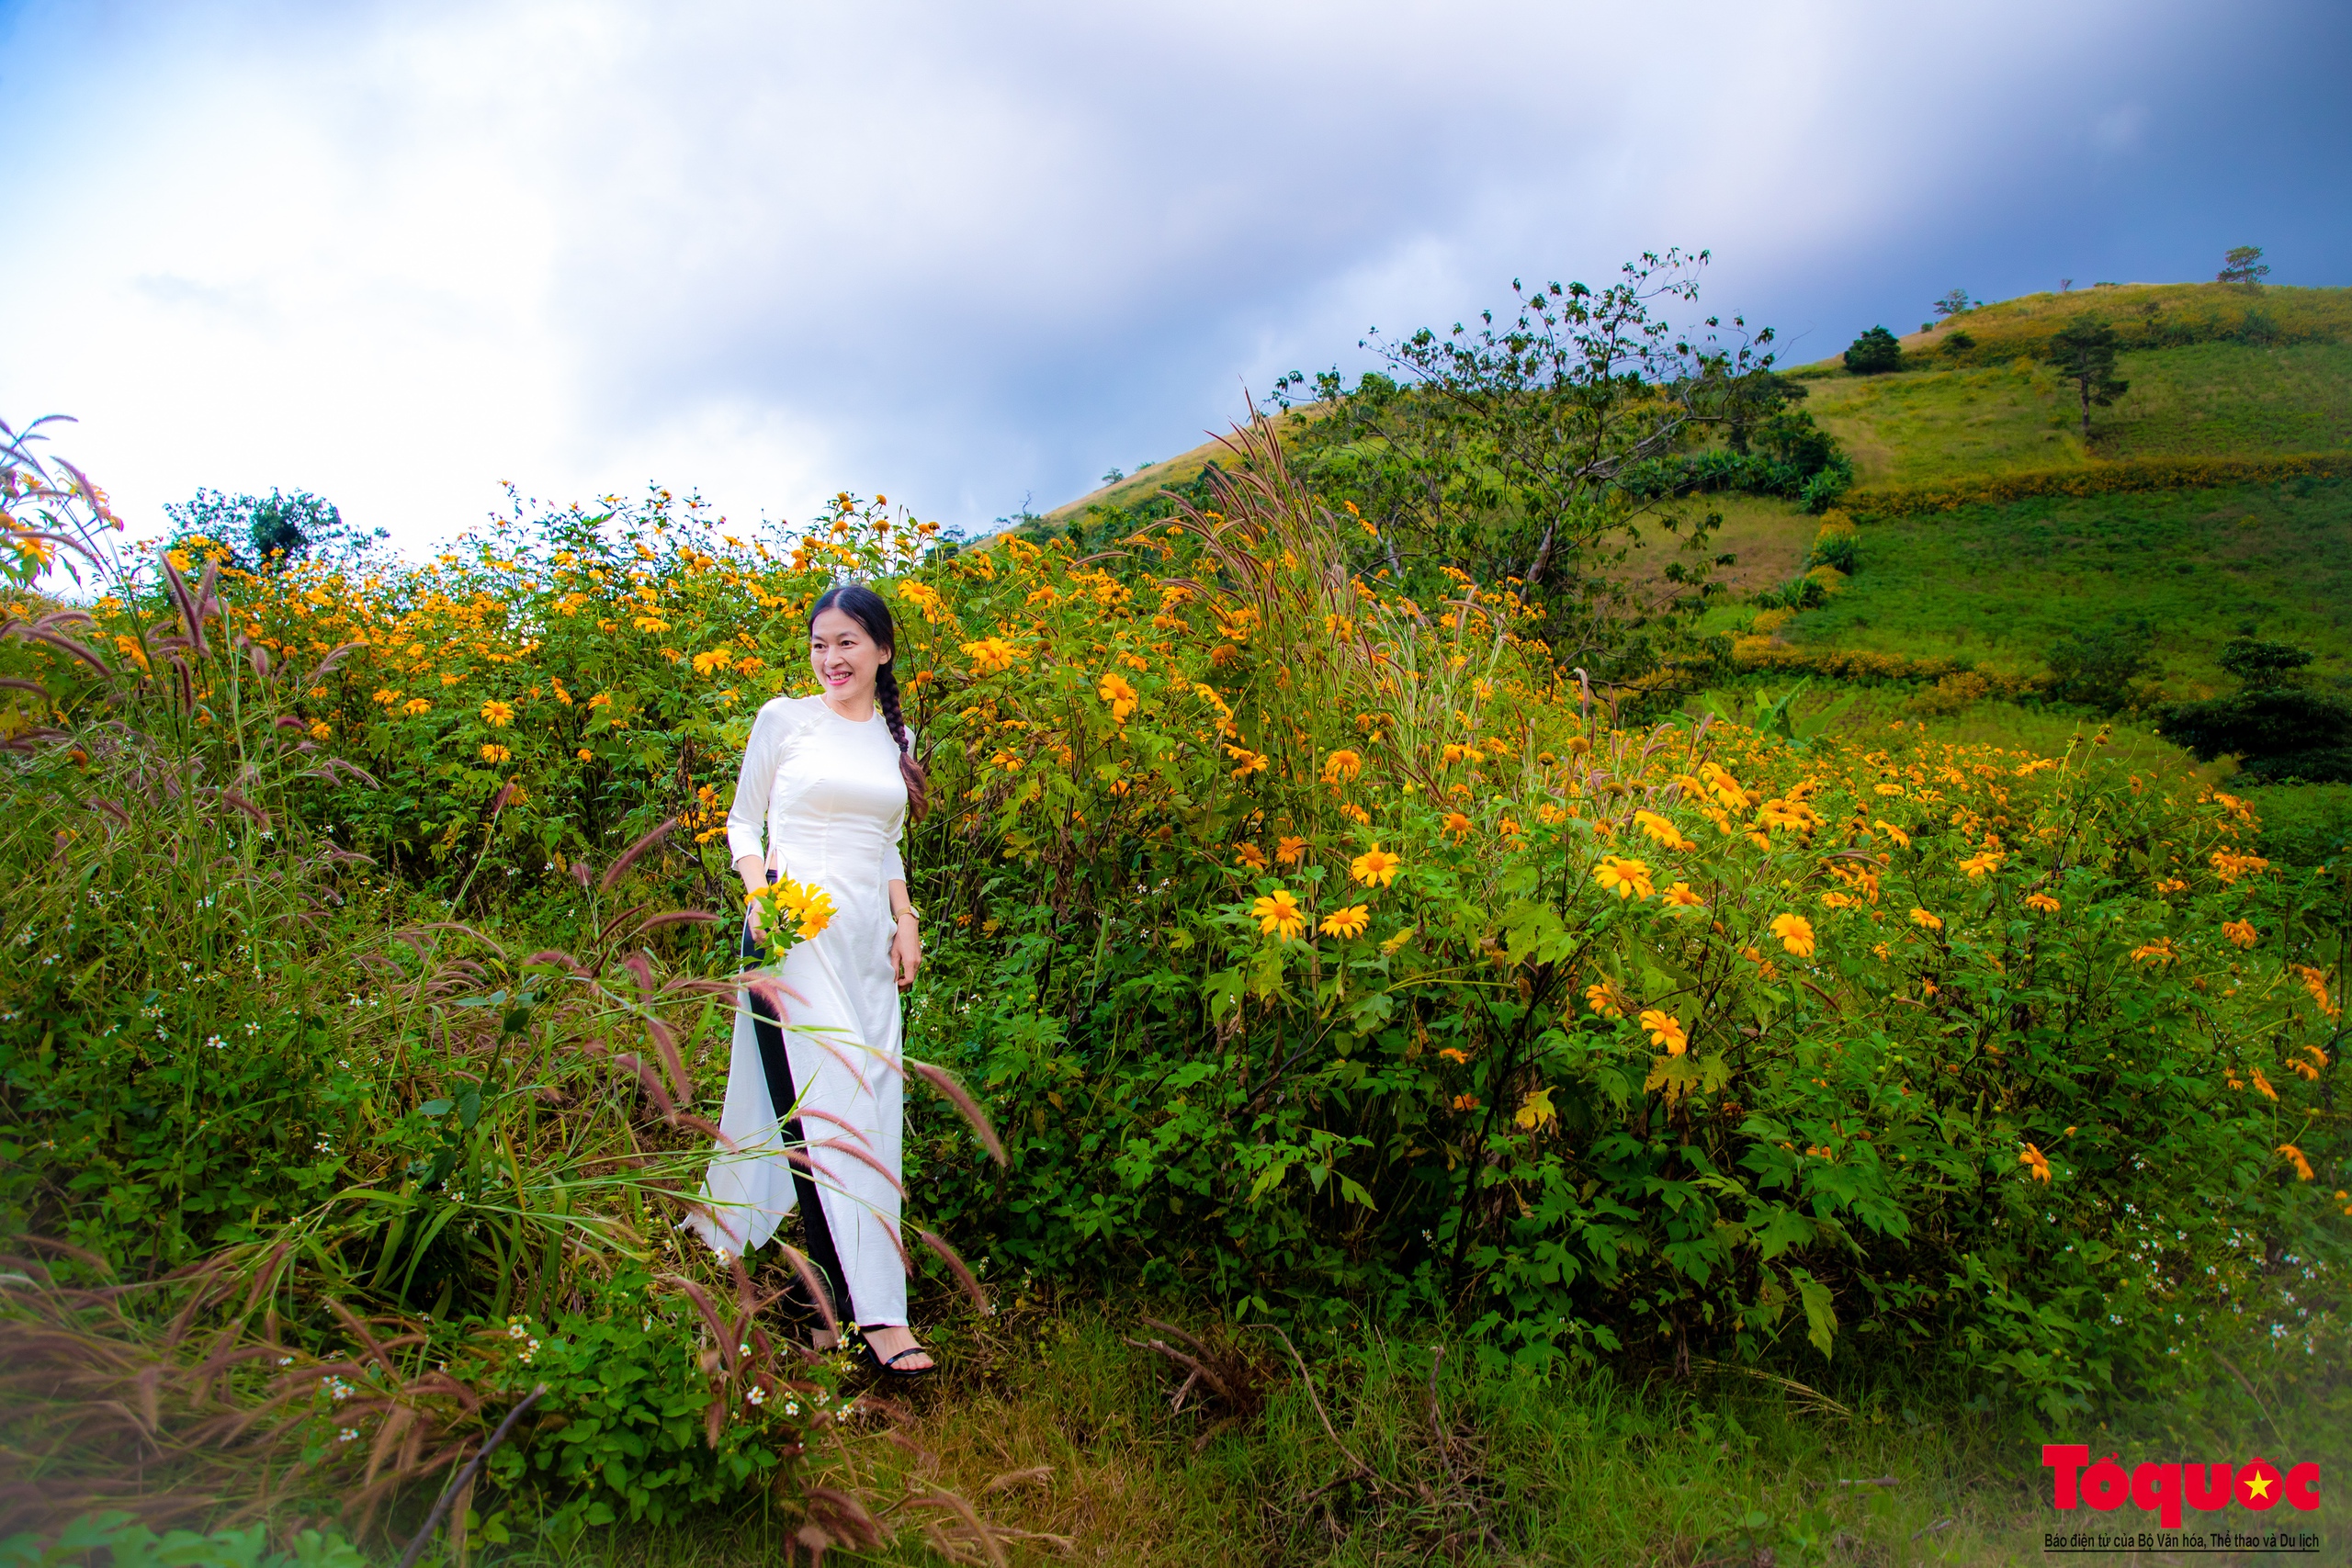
{"type": "Point", "coordinates": [821, 801]}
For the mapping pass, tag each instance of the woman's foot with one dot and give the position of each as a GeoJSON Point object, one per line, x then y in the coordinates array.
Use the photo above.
{"type": "Point", "coordinates": [895, 1349]}
{"type": "Point", "coordinates": [885, 1341]}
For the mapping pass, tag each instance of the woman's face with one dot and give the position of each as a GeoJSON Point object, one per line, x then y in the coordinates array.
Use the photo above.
{"type": "Point", "coordinates": [843, 656]}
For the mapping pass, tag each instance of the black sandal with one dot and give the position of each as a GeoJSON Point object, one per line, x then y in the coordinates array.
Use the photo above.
{"type": "Point", "coordinates": [890, 1369]}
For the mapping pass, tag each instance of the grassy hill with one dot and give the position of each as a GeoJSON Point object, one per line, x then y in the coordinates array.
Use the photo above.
{"type": "Point", "coordinates": [2204, 400]}
{"type": "Point", "coordinates": [2146, 316]}
{"type": "Point", "coordinates": [2216, 376]}
{"type": "Point", "coordinates": [1144, 483]}
{"type": "Point", "coordinates": [2215, 371]}
{"type": "Point", "coordinates": [2002, 578]}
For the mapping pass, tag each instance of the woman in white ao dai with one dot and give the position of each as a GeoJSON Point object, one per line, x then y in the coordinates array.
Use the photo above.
{"type": "Point", "coordinates": [822, 799]}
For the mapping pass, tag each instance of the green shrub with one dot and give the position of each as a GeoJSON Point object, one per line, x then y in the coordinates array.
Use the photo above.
{"type": "Point", "coordinates": [2278, 728]}
{"type": "Point", "coordinates": [631, 1426]}
{"type": "Point", "coordinates": [267, 531]}
{"type": "Point", "coordinates": [2284, 734]}
{"type": "Point", "coordinates": [1953, 694]}
{"type": "Point", "coordinates": [1838, 543]}
{"type": "Point", "coordinates": [1828, 487]}
{"type": "Point", "coordinates": [1875, 353]}
{"type": "Point", "coordinates": [1803, 591]}
{"type": "Point", "coordinates": [2097, 666]}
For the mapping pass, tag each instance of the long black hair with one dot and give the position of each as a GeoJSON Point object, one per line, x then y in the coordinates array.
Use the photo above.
{"type": "Point", "coordinates": [868, 608]}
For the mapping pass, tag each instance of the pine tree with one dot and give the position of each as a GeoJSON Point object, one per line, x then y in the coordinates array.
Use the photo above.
{"type": "Point", "coordinates": [2243, 265]}
{"type": "Point", "coordinates": [2085, 355]}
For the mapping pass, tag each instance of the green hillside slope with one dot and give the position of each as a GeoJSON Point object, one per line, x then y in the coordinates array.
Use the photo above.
{"type": "Point", "coordinates": [2146, 315]}
{"type": "Point", "coordinates": [2230, 375]}
{"type": "Point", "coordinates": [2205, 400]}
{"type": "Point", "coordinates": [2215, 371]}
{"type": "Point", "coordinates": [2002, 585]}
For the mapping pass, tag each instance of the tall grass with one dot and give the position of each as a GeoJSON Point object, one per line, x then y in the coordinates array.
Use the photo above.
{"type": "Point", "coordinates": [1407, 1450]}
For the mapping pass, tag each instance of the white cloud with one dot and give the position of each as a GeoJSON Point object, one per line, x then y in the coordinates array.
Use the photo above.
{"type": "Point", "coordinates": [395, 253]}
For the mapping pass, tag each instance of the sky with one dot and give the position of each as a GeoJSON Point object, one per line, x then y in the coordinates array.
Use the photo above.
{"type": "Point", "coordinates": [974, 256]}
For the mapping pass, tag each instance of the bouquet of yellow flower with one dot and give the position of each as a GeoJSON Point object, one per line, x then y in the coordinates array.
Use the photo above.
{"type": "Point", "coordinates": [788, 907]}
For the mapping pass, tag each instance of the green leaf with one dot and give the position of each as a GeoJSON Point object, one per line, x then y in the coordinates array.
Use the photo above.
{"type": "Point", "coordinates": [1526, 926]}
{"type": "Point", "coordinates": [1269, 1178]}
{"type": "Point", "coordinates": [1782, 1229]}
{"type": "Point", "coordinates": [1820, 1319]}
{"type": "Point", "coordinates": [1222, 991]}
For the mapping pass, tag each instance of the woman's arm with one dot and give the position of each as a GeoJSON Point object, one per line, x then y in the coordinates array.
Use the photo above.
{"type": "Point", "coordinates": [747, 819]}
{"type": "Point", "coordinates": [906, 940]}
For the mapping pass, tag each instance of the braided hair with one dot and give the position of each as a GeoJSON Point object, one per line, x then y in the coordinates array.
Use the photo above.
{"type": "Point", "coordinates": [865, 607]}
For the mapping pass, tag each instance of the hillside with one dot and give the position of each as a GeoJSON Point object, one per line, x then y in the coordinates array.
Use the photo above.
{"type": "Point", "coordinates": [2147, 315]}
{"type": "Point", "coordinates": [2203, 399]}
{"type": "Point", "coordinates": [2214, 370]}
{"type": "Point", "coordinates": [1999, 580]}
{"type": "Point", "coordinates": [1144, 483]}
{"type": "Point", "coordinates": [1992, 530]}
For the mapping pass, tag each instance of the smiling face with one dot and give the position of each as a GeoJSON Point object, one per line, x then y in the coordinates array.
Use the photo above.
{"type": "Point", "coordinates": [844, 655]}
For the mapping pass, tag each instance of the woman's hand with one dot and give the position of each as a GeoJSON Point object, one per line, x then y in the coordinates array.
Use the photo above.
{"type": "Point", "coordinates": [754, 873]}
{"type": "Point", "coordinates": [906, 951]}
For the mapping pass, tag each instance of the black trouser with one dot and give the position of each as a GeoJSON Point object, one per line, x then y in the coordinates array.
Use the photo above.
{"type": "Point", "coordinates": [777, 1064]}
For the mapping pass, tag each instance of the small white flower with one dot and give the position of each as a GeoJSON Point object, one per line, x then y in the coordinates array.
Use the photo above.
{"type": "Point", "coordinates": [758, 1396]}
{"type": "Point", "coordinates": [515, 1329]}
{"type": "Point", "coordinates": [349, 1434]}
{"type": "Point", "coordinates": [792, 1407]}
{"type": "Point", "coordinates": [217, 1043]}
